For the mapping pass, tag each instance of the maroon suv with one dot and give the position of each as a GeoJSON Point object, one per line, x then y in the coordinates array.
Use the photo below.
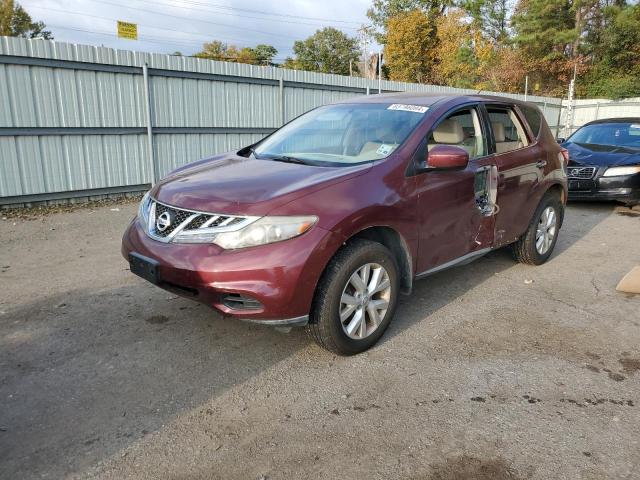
{"type": "Point", "coordinates": [325, 221]}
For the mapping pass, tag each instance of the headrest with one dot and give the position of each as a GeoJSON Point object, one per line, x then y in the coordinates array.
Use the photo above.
{"type": "Point", "coordinates": [449, 131]}
{"type": "Point", "coordinates": [498, 131]}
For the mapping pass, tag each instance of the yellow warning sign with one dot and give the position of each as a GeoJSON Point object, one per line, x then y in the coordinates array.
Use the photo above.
{"type": "Point", "coordinates": [127, 30]}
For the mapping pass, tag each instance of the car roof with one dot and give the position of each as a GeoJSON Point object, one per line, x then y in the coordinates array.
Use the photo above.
{"type": "Point", "coordinates": [428, 99]}
{"type": "Point", "coordinates": [614, 120]}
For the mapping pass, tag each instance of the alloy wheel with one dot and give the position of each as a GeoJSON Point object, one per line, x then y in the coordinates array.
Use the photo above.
{"type": "Point", "coordinates": [365, 301]}
{"type": "Point", "coordinates": [546, 230]}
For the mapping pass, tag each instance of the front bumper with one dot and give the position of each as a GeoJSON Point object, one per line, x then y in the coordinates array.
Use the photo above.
{"type": "Point", "coordinates": [623, 188]}
{"type": "Point", "coordinates": [281, 276]}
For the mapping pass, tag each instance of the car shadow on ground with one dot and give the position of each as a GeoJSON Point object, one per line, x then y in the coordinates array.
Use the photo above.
{"type": "Point", "coordinates": [86, 373]}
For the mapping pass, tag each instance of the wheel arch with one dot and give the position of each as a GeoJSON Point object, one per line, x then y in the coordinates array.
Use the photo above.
{"type": "Point", "coordinates": [397, 245]}
{"type": "Point", "coordinates": [558, 190]}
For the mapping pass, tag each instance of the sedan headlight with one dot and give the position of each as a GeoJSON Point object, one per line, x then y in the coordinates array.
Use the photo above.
{"type": "Point", "coordinates": [265, 230]}
{"type": "Point", "coordinates": [143, 209]}
{"type": "Point", "coordinates": [620, 171]}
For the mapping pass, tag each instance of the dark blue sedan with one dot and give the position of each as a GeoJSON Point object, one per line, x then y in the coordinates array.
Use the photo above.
{"type": "Point", "coordinates": [604, 161]}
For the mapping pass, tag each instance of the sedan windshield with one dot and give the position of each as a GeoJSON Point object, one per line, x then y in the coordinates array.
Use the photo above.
{"type": "Point", "coordinates": [618, 134]}
{"type": "Point", "coordinates": [341, 135]}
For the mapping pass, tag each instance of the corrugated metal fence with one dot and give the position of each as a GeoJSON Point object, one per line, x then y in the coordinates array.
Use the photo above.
{"type": "Point", "coordinates": [79, 120]}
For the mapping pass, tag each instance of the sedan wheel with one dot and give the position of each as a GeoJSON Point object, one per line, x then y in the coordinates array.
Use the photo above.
{"type": "Point", "coordinates": [365, 301]}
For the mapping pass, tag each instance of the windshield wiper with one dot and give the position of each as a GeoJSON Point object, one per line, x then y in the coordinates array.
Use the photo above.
{"type": "Point", "coordinates": [287, 159]}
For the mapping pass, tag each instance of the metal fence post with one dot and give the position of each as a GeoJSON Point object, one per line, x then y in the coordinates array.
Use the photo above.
{"type": "Point", "coordinates": [281, 90]}
{"type": "Point", "coordinates": [559, 119]}
{"type": "Point", "coordinates": [597, 110]}
{"type": "Point", "coordinates": [147, 97]}
{"type": "Point", "coordinates": [379, 71]}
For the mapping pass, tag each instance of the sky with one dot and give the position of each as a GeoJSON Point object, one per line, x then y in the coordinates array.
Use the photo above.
{"type": "Point", "coordinates": [168, 26]}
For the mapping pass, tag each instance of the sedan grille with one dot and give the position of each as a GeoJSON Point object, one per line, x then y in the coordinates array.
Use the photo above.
{"type": "Point", "coordinates": [584, 173]}
{"type": "Point", "coordinates": [166, 221]}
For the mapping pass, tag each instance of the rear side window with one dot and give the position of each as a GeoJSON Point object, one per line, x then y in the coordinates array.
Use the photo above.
{"type": "Point", "coordinates": [534, 119]}
{"type": "Point", "coordinates": [508, 132]}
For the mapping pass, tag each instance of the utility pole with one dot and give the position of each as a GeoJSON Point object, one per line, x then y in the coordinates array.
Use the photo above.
{"type": "Point", "coordinates": [568, 124]}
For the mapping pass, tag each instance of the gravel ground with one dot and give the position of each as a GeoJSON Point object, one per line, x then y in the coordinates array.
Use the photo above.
{"type": "Point", "coordinates": [489, 371]}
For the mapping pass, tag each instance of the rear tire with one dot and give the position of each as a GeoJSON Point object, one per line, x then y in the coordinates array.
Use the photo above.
{"type": "Point", "coordinates": [536, 245]}
{"type": "Point", "coordinates": [355, 299]}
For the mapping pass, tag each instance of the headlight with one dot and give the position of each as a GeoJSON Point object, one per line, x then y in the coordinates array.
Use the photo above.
{"type": "Point", "coordinates": [266, 230]}
{"type": "Point", "coordinates": [620, 171]}
{"type": "Point", "coordinates": [143, 209]}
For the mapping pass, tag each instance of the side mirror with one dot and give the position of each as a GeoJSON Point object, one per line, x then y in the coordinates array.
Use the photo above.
{"type": "Point", "coordinates": [561, 139]}
{"type": "Point", "coordinates": [447, 157]}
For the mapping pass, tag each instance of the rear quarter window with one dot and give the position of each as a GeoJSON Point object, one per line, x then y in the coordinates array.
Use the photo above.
{"type": "Point", "coordinates": [534, 118]}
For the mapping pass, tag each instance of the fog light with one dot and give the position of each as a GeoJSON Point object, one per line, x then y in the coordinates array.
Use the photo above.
{"type": "Point", "coordinates": [235, 301]}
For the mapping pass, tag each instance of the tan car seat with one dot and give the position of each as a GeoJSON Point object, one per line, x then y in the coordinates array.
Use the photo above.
{"type": "Point", "coordinates": [450, 132]}
{"type": "Point", "coordinates": [500, 137]}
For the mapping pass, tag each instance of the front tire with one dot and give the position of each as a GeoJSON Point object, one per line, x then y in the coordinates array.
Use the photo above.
{"type": "Point", "coordinates": [355, 299]}
{"type": "Point", "coordinates": [536, 245]}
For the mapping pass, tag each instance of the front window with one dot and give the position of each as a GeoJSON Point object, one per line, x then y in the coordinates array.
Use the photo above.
{"type": "Point", "coordinates": [461, 129]}
{"type": "Point", "coordinates": [618, 134]}
{"type": "Point", "coordinates": [344, 134]}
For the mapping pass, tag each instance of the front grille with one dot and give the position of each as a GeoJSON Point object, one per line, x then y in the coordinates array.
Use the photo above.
{"type": "Point", "coordinates": [583, 173]}
{"type": "Point", "coordinates": [166, 221]}
{"type": "Point", "coordinates": [175, 216]}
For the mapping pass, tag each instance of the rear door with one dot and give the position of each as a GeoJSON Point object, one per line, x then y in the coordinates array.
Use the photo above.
{"type": "Point", "coordinates": [518, 159]}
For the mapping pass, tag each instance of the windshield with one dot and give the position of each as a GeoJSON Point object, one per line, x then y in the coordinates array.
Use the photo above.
{"type": "Point", "coordinates": [345, 134]}
{"type": "Point", "coordinates": [619, 134]}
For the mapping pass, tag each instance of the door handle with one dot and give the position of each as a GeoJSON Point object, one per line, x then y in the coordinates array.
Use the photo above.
{"type": "Point", "coordinates": [541, 164]}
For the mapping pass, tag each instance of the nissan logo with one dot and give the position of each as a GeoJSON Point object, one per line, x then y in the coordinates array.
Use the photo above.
{"type": "Point", "coordinates": [163, 221]}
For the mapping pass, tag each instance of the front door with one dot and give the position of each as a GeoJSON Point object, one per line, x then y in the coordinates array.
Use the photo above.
{"type": "Point", "coordinates": [456, 220]}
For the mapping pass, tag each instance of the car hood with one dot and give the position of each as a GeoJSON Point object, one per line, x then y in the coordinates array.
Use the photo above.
{"type": "Point", "coordinates": [238, 185]}
{"type": "Point", "coordinates": [600, 155]}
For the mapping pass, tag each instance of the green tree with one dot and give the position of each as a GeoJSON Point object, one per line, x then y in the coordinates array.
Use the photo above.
{"type": "Point", "coordinates": [489, 17]}
{"type": "Point", "coordinates": [616, 73]}
{"type": "Point", "coordinates": [382, 11]}
{"type": "Point", "coordinates": [545, 36]}
{"type": "Point", "coordinates": [621, 38]}
{"type": "Point", "coordinates": [328, 50]}
{"type": "Point", "coordinates": [544, 28]}
{"type": "Point", "coordinates": [16, 22]}
{"type": "Point", "coordinates": [264, 54]}
{"type": "Point", "coordinates": [214, 50]}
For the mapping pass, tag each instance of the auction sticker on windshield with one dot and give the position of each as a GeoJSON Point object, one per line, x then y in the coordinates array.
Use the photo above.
{"type": "Point", "coordinates": [384, 149]}
{"type": "Point", "coordinates": [408, 108]}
